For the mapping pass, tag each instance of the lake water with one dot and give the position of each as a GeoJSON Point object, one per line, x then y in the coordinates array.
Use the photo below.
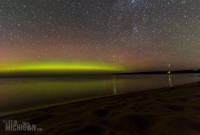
{"type": "Point", "coordinates": [27, 93]}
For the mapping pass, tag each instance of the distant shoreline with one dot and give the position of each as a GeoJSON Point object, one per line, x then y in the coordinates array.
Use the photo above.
{"type": "Point", "coordinates": [101, 74]}
{"type": "Point", "coordinates": [164, 72]}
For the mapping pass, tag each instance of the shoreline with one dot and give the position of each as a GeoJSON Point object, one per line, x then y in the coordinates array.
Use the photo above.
{"type": "Point", "coordinates": [173, 110]}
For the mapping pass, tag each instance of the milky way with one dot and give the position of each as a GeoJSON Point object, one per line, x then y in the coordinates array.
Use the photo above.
{"type": "Point", "coordinates": [136, 35]}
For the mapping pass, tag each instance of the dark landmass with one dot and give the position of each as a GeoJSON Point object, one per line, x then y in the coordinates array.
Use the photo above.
{"type": "Point", "coordinates": [163, 72]}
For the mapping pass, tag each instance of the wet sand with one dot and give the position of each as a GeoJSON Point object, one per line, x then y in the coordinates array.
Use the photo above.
{"type": "Point", "coordinates": [165, 111]}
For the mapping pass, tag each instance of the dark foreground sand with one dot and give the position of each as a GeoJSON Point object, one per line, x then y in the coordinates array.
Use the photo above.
{"type": "Point", "coordinates": [166, 111]}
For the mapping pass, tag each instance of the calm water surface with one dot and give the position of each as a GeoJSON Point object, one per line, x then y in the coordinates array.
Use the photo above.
{"type": "Point", "coordinates": [28, 93]}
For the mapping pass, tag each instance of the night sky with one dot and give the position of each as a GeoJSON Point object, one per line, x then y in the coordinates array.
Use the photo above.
{"type": "Point", "coordinates": [118, 35]}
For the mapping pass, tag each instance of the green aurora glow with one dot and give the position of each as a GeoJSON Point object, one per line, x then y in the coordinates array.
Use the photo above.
{"type": "Point", "coordinates": [59, 67]}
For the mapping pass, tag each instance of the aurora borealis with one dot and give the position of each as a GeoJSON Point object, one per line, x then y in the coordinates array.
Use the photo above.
{"type": "Point", "coordinates": [99, 35]}
{"type": "Point", "coordinates": [58, 68]}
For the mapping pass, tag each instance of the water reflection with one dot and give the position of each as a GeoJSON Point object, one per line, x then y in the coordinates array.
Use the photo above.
{"type": "Point", "coordinates": [114, 86]}
{"type": "Point", "coordinates": [34, 92]}
{"type": "Point", "coordinates": [170, 82]}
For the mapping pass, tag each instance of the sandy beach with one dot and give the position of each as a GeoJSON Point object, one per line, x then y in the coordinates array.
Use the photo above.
{"type": "Point", "coordinates": [165, 111]}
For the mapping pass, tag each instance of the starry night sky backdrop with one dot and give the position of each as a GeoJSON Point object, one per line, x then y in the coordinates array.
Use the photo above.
{"type": "Point", "coordinates": [139, 35]}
